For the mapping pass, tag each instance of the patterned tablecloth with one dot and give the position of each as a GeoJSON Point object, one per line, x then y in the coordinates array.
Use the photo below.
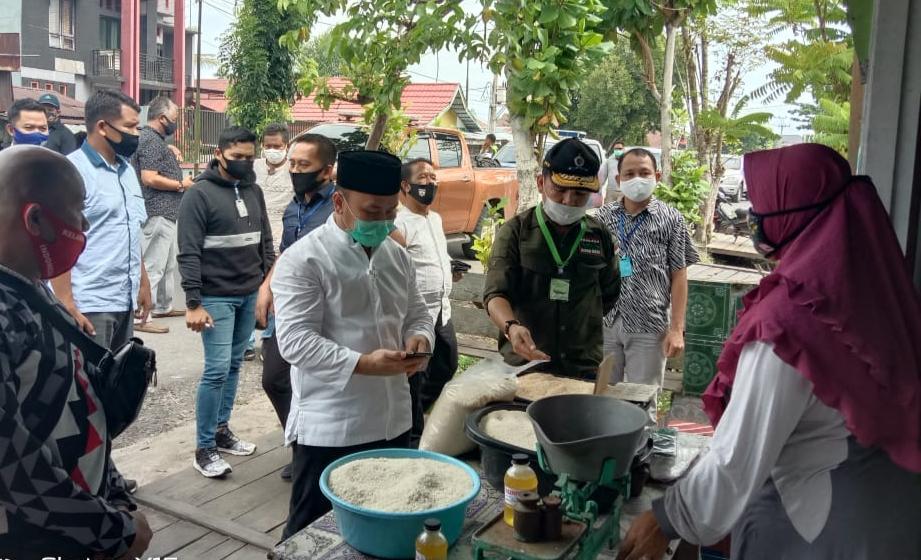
{"type": "Point", "coordinates": [321, 540]}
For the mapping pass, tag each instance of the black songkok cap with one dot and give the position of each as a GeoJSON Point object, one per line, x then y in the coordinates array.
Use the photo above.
{"type": "Point", "coordinates": [370, 172]}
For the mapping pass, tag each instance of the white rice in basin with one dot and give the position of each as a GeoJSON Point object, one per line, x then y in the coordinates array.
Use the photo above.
{"type": "Point", "coordinates": [400, 485]}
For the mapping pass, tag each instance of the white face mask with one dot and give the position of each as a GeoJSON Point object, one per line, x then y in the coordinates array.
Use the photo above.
{"type": "Point", "coordinates": [638, 189]}
{"type": "Point", "coordinates": [275, 157]}
{"type": "Point", "coordinates": [562, 214]}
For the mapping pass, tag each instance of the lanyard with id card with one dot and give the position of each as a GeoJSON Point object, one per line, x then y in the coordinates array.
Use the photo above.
{"type": "Point", "coordinates": [559, 287]}
{"type": "Point", "coordinates": [241, 204]}
{"type": "Point", "coordinates": [626, 263]}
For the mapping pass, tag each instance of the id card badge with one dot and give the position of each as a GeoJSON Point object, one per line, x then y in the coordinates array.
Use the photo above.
{"type": "Point", "coordinates": [626, 267]}
{"type": "Point", "coordinates": [559, 289]}
{"type": "Point", "coordinates": [241, 208]}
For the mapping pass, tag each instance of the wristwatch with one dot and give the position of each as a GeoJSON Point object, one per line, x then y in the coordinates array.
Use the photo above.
{"type": "Point", "coordinates": [510, 324]}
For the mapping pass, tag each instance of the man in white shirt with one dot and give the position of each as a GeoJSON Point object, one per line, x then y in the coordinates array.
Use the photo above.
{"type": "Point", "coordinates": [272, 174]}
{"type": "Point", "coordinates": [273, 178]}
{"type": "Point", "coordinates": [350, 320]}
{"type": "Point", "coordinates": [420, 230]}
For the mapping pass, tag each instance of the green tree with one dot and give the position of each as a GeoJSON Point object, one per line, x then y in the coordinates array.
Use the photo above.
{"type": "Point", "coordinates": [377, 42]}
{"type": "Point", "coordinates": [544, 47]}
{"type": "Point", "coordinates": [319, 55]}
{"type": "Point", "coordinates": [644, 21]}
{"type": "Point", "coordinates": [613, 103]}
{"type": "Point", "coordinates": [831, 123]}
{"type": "Point", "coordinates": [716, 53]}
{"type": "Point", "coordinates": [260, 72]}
{"type": "Point", "coordinates": [817, 61]}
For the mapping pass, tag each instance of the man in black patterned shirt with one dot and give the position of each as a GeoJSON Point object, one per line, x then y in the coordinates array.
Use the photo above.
{"type": "Point", "coordinates": [655, 250]}
{"type": "Point", "coordinates": [162, 184]}
{"type": "Point", "coordinates": [60, 494]}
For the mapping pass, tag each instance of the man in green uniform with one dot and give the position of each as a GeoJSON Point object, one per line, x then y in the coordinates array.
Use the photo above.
{"type": "Point", "coordinates": [553, 274]}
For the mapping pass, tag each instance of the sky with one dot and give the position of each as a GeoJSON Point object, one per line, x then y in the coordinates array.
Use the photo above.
{"type": "Point", "coordinates": [217, 17]}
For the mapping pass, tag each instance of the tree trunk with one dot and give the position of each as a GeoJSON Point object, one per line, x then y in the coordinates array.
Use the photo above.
{"type": "Point", "coordinates": [377, 132]}
{"type": "Point", "coordinates": [526, 163]}
{"type": "Point", "coordinates": [666, 104]}
{"type": "Point", "coordinates": [702, 235]}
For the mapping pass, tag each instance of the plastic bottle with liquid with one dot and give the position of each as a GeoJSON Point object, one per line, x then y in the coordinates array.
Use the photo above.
{"type": "Point", "coordinates": [519, 478]}
{"type": "Point", "coordinates": [432, 544]}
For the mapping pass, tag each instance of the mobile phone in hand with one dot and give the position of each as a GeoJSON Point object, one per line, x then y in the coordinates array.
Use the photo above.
{"type": "Point", "coordinates": [418, 354]}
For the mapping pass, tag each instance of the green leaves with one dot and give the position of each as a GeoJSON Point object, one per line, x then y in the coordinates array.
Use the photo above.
{"type": "Point", "coordinates": [256, 60]}
{"type": "Point", "coordinates": [688, 187]}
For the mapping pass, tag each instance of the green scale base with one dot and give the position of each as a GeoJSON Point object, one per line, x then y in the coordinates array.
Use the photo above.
{"type": "Point", "coordinates": [586, 533]}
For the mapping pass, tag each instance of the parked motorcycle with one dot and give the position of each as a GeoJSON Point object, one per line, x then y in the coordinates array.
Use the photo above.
{"type": "Point", "coordinates": [731, 217]}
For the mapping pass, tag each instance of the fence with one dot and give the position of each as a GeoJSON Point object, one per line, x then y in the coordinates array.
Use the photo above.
{"type": "Point", "coordinates": [212, 123]}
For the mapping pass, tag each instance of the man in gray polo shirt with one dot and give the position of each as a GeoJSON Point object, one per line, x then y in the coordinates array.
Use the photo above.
{"type": "Point", "coordinates": [163, 184]}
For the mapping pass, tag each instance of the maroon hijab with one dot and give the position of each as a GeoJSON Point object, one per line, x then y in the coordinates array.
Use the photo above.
{"type": "Point", "coordinates": [840, 307]}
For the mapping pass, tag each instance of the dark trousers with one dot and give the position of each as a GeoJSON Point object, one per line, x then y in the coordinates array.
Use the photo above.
{"type": "Point", "coordinates": [425, 387]}
{"type": "Point", "coordinates": [113, 329]}
{"type": "Point", "coordinates": [276, 379]}
{"type": "Point", "coordinates": [307, 501]}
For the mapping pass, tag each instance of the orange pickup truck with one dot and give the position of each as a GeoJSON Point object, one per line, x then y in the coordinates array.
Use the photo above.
{"type": "Point", "coordinates": [464, 189]}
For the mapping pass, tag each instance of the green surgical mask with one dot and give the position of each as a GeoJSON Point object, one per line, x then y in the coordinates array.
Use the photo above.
{"type": "Point", "coordinates": [370, 233]}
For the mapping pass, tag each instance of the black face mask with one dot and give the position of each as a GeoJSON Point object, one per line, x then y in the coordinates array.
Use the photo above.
{"type": "Point", "coordinates": [767, 247]}
{"type": "Point", "coordinates": [305, 183]}
{"type": "Point", "coordinates": [425, 194]}
{"type": "Point", "coordinates": [128, 144]}
{"type": "Point", "coordinates": [239, 169]}
{"type": "Point", "coordinates": [169, 127]}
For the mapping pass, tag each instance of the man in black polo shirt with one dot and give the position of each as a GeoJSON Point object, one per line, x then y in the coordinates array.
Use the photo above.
{"type": "Point", "coordinates": [163, 184]}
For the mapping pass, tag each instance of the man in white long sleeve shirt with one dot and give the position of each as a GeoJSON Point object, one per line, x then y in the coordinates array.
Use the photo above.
{"type": "Point", "coordinates": [420, 230]}
{"type": "Point", "coordinates": [350, 320]}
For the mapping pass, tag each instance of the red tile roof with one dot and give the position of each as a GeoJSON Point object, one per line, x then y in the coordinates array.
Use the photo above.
{"type": "Point", "coordinates": [421, 101]}
{"type": "Point", "coordinates": [71, 109]}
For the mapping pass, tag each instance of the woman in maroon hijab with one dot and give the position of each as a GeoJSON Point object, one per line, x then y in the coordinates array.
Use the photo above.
{"type": "Point", "coordinates": [814, 452]}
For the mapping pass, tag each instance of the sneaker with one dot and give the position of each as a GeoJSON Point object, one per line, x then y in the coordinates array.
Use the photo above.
{"type": "Point", "coordinates": [228, 443]}
{"type": "Point", "coordinates": [131, 485]}
{"type": "Point", "coordinates": [287, 472]}
{"type": "Point", "coordinates": [210, 464]}
{"type": "Point", "coordinates": [249, 355]}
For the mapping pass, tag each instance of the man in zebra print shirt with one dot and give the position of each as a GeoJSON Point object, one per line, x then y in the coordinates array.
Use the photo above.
{"type": "Point", "coordinates": [655, 250]}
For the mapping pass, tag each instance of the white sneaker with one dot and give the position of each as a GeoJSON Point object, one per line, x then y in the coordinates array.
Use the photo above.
{"type": "Point", "coordinates": [210, 463]}
{"type": "Point", "coordinates": [229, 443]}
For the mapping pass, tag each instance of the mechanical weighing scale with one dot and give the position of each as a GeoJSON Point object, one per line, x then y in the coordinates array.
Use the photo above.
{"type": "Point", "coordinates": [589, 442]}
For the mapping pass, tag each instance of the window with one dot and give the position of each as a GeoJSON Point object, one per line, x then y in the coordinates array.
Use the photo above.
{"type": "Point", "coordinates": [49, 87]}
{"type": "Point", "coordinates": [62, 90]}
{"type": "Point", "coordinates": [110, 32]}
{"type": "Point", "coordinates": [419, 149]}
{"type": "Point", "coordinates": [35, 85]}
{"type": "Point", "coordinates": [450, 153]}
{"type": "Point", "coordinates": [61, 24]}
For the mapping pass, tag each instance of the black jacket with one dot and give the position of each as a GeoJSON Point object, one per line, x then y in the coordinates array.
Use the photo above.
{"type": "Point", "coordinates": [220, 252]}
{"type": "Point", "coordinates": [61, 139]}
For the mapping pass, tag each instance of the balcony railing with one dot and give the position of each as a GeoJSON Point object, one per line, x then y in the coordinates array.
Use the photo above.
{"type": "Point", "coordinates": [107, 63]}
{"type": "Point", "coordinates": [156, 68]}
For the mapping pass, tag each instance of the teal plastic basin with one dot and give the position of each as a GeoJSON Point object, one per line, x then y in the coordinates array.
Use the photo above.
{"type": "Point", "coordinates": [393, 535]}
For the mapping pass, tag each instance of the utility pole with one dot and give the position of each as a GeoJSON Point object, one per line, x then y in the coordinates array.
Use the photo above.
{"type": "Point", "coordinates": [198, 90]}
{"type": "Point", "coordinates": [493, 95]}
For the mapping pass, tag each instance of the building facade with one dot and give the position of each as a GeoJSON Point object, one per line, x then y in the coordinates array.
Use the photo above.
{"type": "Point", "coordinates": [75, 47]}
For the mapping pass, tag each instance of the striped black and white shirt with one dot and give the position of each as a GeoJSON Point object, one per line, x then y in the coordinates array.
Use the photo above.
{"type": "Point", "coordinates": [658, 243]}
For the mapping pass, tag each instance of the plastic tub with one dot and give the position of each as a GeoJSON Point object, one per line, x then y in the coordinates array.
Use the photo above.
{"type": "Point", "coordinates": [496, 456]}
{"type": "Point", "coordinates": [393, 535]}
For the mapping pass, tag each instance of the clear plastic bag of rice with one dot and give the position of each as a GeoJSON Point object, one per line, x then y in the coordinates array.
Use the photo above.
{"type": "Point", "coordinates": [486, 382]}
